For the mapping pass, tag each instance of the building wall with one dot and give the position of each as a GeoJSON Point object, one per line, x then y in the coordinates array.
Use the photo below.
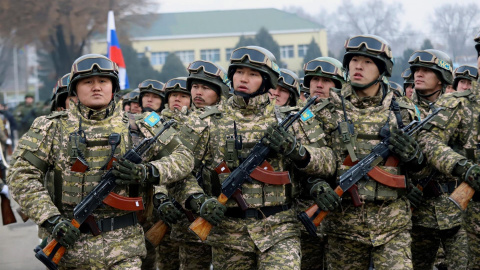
{"type": "Point", "coordinates": [152, 46]}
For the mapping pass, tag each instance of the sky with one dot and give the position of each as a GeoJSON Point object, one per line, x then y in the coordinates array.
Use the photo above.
{"type": "Point", "coordinates": [416, 12]}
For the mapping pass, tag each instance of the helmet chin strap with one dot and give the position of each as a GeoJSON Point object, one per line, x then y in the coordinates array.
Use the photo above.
{"type": "Point", "coordinates": [441, 90]}
{"type": "Point", "coordinates": [358, 86]}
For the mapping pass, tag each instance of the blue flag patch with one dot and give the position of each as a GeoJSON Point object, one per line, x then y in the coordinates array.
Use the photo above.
{"type": "Point", "coordinates": [306, 115]}
{"type": "Point", "coordinates": [152, 119]}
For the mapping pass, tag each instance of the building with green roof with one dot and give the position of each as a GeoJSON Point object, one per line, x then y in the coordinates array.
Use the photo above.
{"type": "Point", "coordinates": [213, 35]}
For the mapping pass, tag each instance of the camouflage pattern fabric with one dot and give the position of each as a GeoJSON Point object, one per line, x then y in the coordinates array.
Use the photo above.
{"type": "Point", "coordinates": [25, 115]}
{"type": "Point", "coordinates": [385, 214]}
{"type": "Point", "coordinates": [472, 226]}
{"type": "Point", "coordinates": [284, 255]}
{"type": "Point", "coordinates": [167, 254]}
{"type": "Point", "coordinates": [195, 256]}
{"type": "Point", "coordinates": [395, 254]}
{"type": "Point", "coordinates": [313, 250]}
{"type": "Point", "coordinates": [426, 241]}
{"type": "Point", "coordinates": [46, 145]}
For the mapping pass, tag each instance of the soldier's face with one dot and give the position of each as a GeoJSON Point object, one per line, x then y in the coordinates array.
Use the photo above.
{"type": "Point", "coordinates": [95, 92]}
{"type": "Point", "coordinates": [363, 70]}
{"type": "Point", "coordinates": [203, 95]}
{"type": "Point", "coordinates": [409, 91]}
{"type": "Point", "coordinates": [177, 100]}
{"type": "Point", "coordinates": [247, 80]}
{"type": "Point", "coordinates": [28, 100]}
{"type": "Point", "coordinates": [320, 87]}
{"type": "Point", "coordinates": [280, 94]}
{"type": "Point", "coordinates": [426, 80]}
{"type": "Point", "coordinates": [135, 108]}
{"type": "Point", "coordinates": [464, 84]}
{"type": "Point", "coordinates": [151, 100]}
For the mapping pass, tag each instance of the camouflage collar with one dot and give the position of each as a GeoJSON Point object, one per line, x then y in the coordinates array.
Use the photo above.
{"type": "Point", "coordinates": [254, 104]}
{"type": "Point", "coordinates": [361, 102]}
{"type": "Point", "coordinates": [92, 114]}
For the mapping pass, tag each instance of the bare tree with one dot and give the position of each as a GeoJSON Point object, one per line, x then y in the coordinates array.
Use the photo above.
{"type": "Point", "coordinates": [455, 26]}
{"type": "Point", "coordinates": [5, 57]}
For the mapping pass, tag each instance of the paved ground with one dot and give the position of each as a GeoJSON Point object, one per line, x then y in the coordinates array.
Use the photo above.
{"type": "Point", "coordinates": [18, 241]}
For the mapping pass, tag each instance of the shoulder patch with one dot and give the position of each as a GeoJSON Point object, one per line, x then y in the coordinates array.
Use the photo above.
{"type": "Point", "coordinates": [152, 119]}
{"type": "Point", "coordinates": [307, 114]}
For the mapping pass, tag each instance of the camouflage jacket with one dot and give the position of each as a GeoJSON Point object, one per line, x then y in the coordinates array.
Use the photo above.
{"type": "Point", "coordinates": [47, 145]}
{"type": "Point", "coordinates": [251, 121]}
{"type": "Point", "coordinates": [385, 211]}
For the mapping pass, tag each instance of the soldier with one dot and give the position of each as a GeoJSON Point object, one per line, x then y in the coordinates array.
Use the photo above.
{"type": "Point", "coordinates": [207, 83]}
{"type": "Point", "coordinates": [365, 112]}
{"type": "Point", "coordinates": [322, 74]}
{"type": "Point", "coordinates": [463, 76]}
{"type": "Point", "coordinates": [266, 235]}
{"type": "Point", "coordinates": [304, 92]}
{"type": "Point", "coordinates": [90, 134]}
{"type": "Point", "coordinates": [397, 89]}
{"type": "Point", "coordinates": [408, 83]}
{"type": "Point", "coordinates": [60, 98]}
{"type": "Point", "coordinates": [134, 101]}
{"type": "Point", "coordinates": [287, 91]}
{"type": "Point", "coordinates": [25, 113]}
{"type": "Point", "coordinates": [436, 221]}
{"type": "Point", "coordinates": [151, 95]}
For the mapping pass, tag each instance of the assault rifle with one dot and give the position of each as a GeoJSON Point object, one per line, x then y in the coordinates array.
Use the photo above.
{"type": "Point", "coordinates": [53, 252]}
{"type": "Point", "coordinates": [462, 195]}
{"type": "Point", "coordinates": [231, 185]}
{"type": "Point", "coordinates": [312, 217]}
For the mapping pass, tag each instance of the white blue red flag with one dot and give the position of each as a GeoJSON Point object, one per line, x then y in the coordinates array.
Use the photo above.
{"type": "Point", "coordinates": [115, 53]}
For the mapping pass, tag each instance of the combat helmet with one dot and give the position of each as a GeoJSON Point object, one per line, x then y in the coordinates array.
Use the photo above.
{"type": "Point", "coordinates": [178, 84]}
{"type": "Point", "coordinates": [209, 73]}
{"type": "Point", "coordinates": [93, 65]}
{"type": "Point", "coordinates": [59, 93]}
{"type": "Point", "coordinates": [464, 72]}
{"type": "Point", "coordinates": [371, 46]}
{"type": "Point", "coordinates": [151, 86]}
{"type": "Point", "coordinates": [407, 78]}
{"type": "Point", "coordinates": [290, 81]}
{"type": "Point", "coordinates": [397, 89]}
{"type": "Point", "coordinates": [259, 59]}
{"type": "Point", "coordinates": [435, 60]}
{"type": "Point", "coordinates": [324, 67]}
{"type": "Point", "coordinates": [133, 96]}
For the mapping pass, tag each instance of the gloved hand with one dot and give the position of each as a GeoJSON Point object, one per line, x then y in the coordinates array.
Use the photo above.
{"type": "Point", "coordinates": [468, 172]}
{"type": "Point", "coordinates": [62, 230]}
{"type": "Point", "coordinates": [166, 210]}
{"type": "Point", "coordinates": [415, 196]}
{"type": "Point", "coordinates": [129, 173]}
{"type": "Point", "coordinates": [208, 208]}
{"type": "Point", "coordinates": [284, 143]}
{"type": "Point", "coordinates": [404, 146]}
{"type": "Point", "coordinates": [323, 195]}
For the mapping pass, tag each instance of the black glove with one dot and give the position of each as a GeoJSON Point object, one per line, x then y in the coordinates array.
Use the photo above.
{"type": "Point", "coordinates": [323, 195]}
{"type": "Point", "coordinates": [415, 196]}
{"type": "Point", "coordinates": [284, 143]}
{"type": "Point", "coordinates": [62, 230]}
{"type": "Point", "coordinates": [166, 210]}
{"type": "Point", "coordinates": [129, 173]}
{"type": "Point", "coordinates": [208, 208]}
{"type": "Point", "coordinates": [468, 172]}
{"type": "Point", "coordinates": [404, 146]}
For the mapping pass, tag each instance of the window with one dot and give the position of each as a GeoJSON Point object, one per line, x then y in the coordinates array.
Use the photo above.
{"type": "Point", "coordinates": [228, 53]}
{"type": "Point", "coordinates": [140, 55]}
{"type": "Point", "coordinates": [302, 50]}
{"type": "Point", "coordinates": [158, 58]}
{"type": "Point", "coordinates": [186, 56]}
{"type": "Point", "coordinates": [286, 51]}
{"type": "Point", "coordinates": [212, 55]}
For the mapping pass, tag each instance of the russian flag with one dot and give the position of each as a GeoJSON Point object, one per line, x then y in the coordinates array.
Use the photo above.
{"type": "Point", "coordinates": [115, 53]}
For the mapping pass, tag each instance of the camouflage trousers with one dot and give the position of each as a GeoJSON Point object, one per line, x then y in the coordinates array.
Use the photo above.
{"type": "Point", "coordinates": [313, 251]}
{"type": "Point", "coordinates": [167, 254]}
{"type": "Point", "coordinates": [195, 256]}
{"type": "Point", "coordinates": [472, 226]}
{"type": "Point", "coordinates": [149, 261]}
{"type": "Point", "coordinates": [118, 249]}
{"type": "Point", "coordinates": [348, 254]}
{"type": "Point", "coordinates": [426, 241]}
{"type": "Point", "coordinates": [284, 255]}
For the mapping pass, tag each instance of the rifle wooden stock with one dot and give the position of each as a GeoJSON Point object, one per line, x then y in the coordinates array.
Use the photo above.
{"type": "Point", "coordinates": [7, 213]}
{"type": "Point", "coordinates": [201, 227]}
{"type": "Point", "coordinates": [312, 211]}
{"type": "Point", "coordinates": [156, 233]}
{"type": "Point", "coordinates": [462, 195]}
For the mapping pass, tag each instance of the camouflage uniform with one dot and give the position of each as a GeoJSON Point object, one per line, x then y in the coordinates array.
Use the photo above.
{"type": "Point", "coordinates": [270, 242]}
{"type": "Point", "coordinates": [380, 227]}
{"type": "Point", "coordinates": [453, 136]}
{"type": "Point", "coordinates": [46, 145]}
{"type": "Point", "coordinates": [24, 115]}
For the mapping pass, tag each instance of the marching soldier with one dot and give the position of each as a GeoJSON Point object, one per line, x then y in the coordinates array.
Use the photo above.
{"type": "Point", "coordinates": [79, 144]}
{"type": "Point", "coordinates": [408, 83]}
{"type": "Point", "coordinates": [464, 77]}
{"type": "Point", "coordinates": [60, 98]}
{"type": "Point", "coordinates": [152, 97]}
{"type": "Point", "coordinates": [287, 92]}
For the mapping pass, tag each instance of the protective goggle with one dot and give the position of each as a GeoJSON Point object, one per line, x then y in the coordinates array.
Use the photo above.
{"type": "Point", "coordinates": [61, 83]}
{"type": "Point", "coordinates": [176, 83]}
{"type": "Point", "coordinates": [155, 85]}
{"type": "Point", "coordinates": [406, 74]}
{"type": "Point", "coordinates": [371, 43]}
{"type": "Point", "coordinates": [208, 68]}
{"type": "Point", "coordinates": [429, 58]}
{"type": "Point", "coordinates": [288, 80]}
{"type": "Point", "coordinates": [463, 70]}
{"type": "Point", "coordinates": [87, 65]}
{"type": "Point", "coordinates": [254, 56]}
{"type": "Point", "coordinates": [324, 66]}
